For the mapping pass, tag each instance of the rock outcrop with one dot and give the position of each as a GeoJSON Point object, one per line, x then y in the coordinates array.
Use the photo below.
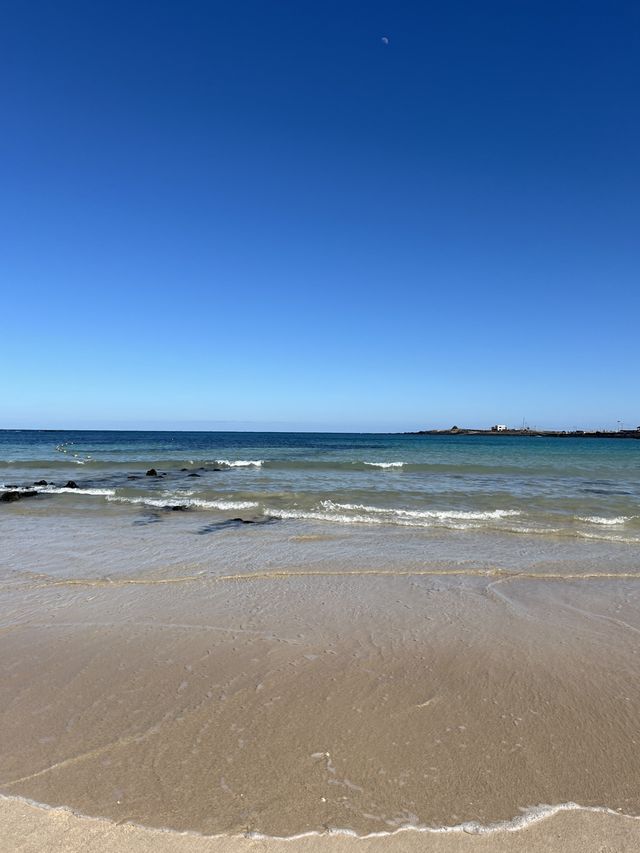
{"type": "Point", "coordinates": [11, 497]}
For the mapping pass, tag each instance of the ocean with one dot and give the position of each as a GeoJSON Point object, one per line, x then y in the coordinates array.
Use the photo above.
{"type": "Point", "coordinates": [567, 493]}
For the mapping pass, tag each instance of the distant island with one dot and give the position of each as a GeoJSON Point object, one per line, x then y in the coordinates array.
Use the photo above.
{"type": "Point", "coordinates": [502, 429]}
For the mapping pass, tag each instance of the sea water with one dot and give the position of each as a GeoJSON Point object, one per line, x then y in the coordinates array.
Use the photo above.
{"type": "Point", "coordinates": [353, 498]}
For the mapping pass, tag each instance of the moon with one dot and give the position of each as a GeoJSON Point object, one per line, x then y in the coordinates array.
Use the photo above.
{"type": "Point", "coordinates": [384, 40]}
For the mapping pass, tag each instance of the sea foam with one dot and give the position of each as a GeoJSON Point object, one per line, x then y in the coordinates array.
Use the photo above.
{"type": "Point", "coordinates": [362, 514]}
{"type": "Point", "coordinates": [61, 490]}
{"type": "Point", "coordinates": [597, 519]}
{"type": "Point", "coordinates": [385, 464]}
{"type": "Point", "coordinates": [241, 463]}
{"type": "Point", "coordinates": [173, 500]}
{"type": "Point", "coordinates": [464, 515]}
{"type": "Point", "coordinates": [526, 817]}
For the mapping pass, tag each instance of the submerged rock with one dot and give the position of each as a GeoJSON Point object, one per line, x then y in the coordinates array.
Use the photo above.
{"type": "Point", "coordinates": [10, 497]}
{"type": "Point", "coordinates": [71, 484]}
{"type": "Point", "coordinates": [152, 472]}
{"type": "Point", "coordinates": [193, 474]}
{"type": "Point", "coordinates": [42, 483]}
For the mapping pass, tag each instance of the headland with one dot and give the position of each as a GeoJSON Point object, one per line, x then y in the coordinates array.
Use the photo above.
{"type": "Point", "coordinates": [526, 432]}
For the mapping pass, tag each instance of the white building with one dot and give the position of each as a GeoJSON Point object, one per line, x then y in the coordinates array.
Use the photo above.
{"type": "Point", "coordinates": [499, 428]}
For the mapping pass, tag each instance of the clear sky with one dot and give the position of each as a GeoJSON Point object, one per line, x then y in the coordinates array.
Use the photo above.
{"type": "Point", "coordinates": [261, 214]}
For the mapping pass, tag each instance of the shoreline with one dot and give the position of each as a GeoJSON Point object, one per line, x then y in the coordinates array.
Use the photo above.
{"type": "Point", "coordinates": [27, 826]}
{"type": "Point", "coordinates": [448, 703]}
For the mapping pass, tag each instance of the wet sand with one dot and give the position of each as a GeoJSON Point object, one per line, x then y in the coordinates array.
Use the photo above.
{"type": "Point", "coordinates": [290, 703]}
{"type": "Point", "coordinates": [26, 828]}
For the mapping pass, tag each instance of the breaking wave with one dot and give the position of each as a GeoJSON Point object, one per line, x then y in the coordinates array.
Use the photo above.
{"type": "Point", "coordinates": [597, 519]}
{"type": "Point", "coordinates": [241, 463]}
{"type": "Point", "coordinates": [173, 500]}
{"type": "Point", "coordinates": [362, 514]}
{"type": "Point", "coordinates": [385, 464]}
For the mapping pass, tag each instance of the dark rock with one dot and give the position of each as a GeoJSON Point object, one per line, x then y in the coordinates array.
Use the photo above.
{"type": "Point", "coordinates": [133, 477]}
{"type": "Point", "coordinates": [216, 526]}
{"type": "Point", "coordinates": [150, 517]}
{"type": "Point", "coordinates": [152, 472]}
{"type": "Point", "coordinates": [71, 484]}
{"type": "Point", "coordinates": [11, 497]}
{"type": "Point", "coordinates": [178, 508]}
{"type": "Point", "coordinates": [193, 474]}
{"type": "Point", "coordinates": [41, 483]}
{"type": "Point", "coordinates": [184, 469]}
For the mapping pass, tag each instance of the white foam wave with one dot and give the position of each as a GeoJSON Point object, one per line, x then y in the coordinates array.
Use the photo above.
{"type": "Point", "coordinates": [597, 519]}
{"type": "Point", "coordinates": [602, 537]}
{"type": "Point", "coordinates": [240, 463]}
{"type": "Point", "coordinates": [61, 490]}
{"type": "Point", "coordinates": [174, 500]}
{"type": "Point", "coordinates": [385, 464]}
{"type": "Point", "coordinates": [463, 515]}
{"type": "Point", "coordinates": [334, 512]}
{"type": "Point", "coordinates": [526, 817]}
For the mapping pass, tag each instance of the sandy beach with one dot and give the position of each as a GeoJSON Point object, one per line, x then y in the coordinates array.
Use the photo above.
{"type": "Point", "coordinates": [26, 828]}
{"type": "Point", "coordinates": [281, 705]}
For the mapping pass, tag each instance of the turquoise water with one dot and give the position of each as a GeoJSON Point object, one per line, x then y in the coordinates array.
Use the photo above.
{"type": "Point", "coordinates": [578, 488]}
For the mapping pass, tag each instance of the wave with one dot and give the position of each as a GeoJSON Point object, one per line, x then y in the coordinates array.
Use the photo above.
{"type": "Point", "coordinates": [597, 519]}
{"type": "Point", "coordinates": [527, 817]}
{"type": "Point", "coordinates": [241, 463]}
{"type": "Point", "coordinates": [61, 490]}
{"type": "Point", "coordinates": [173, 500]}
{"type": "Point", "coordinates": [601, 537]}
{"type": "Point", "coordinates": [362, 514]}
{"type": "Point", "coordinates": [470, 515]}
{"type": "Point", "coordinates": [384, 464]}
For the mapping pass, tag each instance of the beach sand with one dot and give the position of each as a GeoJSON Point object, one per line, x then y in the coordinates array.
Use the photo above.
{"type": "Point", "coordinates": [286, 703]}
{"type": "Point", "coordinates": [27, 828]}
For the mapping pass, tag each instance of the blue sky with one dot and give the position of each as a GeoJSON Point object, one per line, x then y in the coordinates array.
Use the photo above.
{"type": "Point", "coordinates": [258, 214]}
